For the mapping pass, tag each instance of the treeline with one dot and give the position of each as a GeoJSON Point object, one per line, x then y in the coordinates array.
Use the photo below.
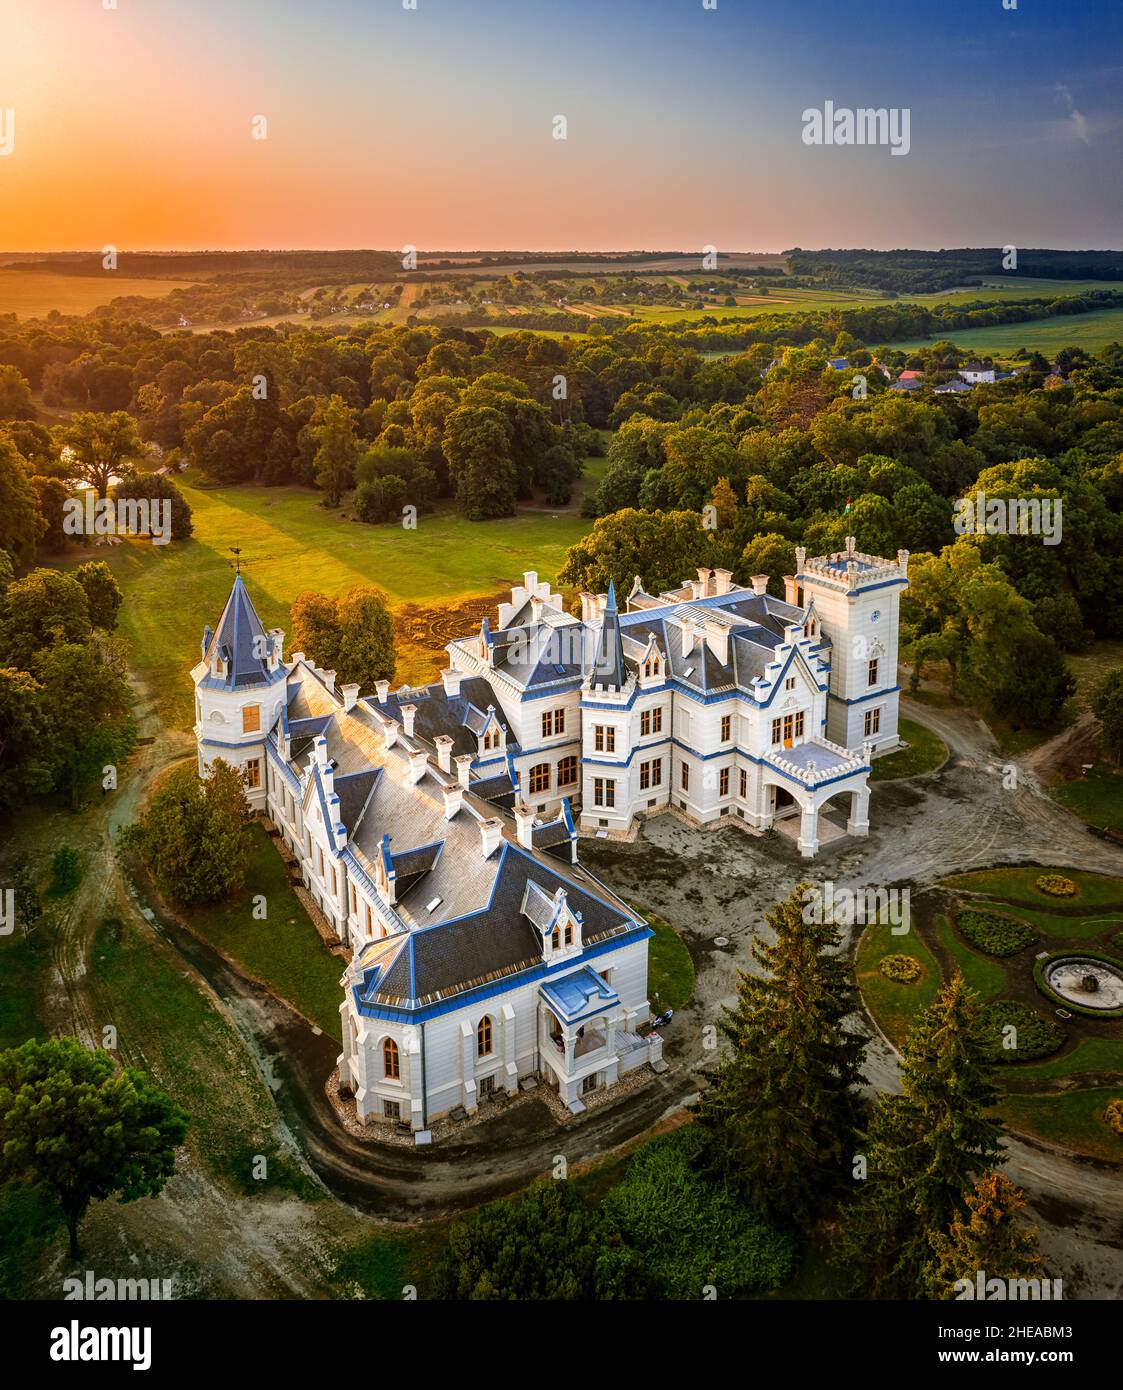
{"type": "Point", "coordinates": [804, 463]}
{"type": "Point", "coordinates": [917, 272]}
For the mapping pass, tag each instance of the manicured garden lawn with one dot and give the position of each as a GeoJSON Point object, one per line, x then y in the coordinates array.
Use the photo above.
{"type": "Point", "coordinates": [1068, 1118]}
{"type": "Point", "coordinates": [926, 752]}
{"type": "Point", "coordinates": [670, 971]}
{"type": "Point", "coordinates": [1096, 798]}
{"type": "Point", "coordinates": [283, 950]}
{"type": "Point", "coordinates": [1093, 890]}
{"type": "Point", "coordinates": [289, 543]}
{"type": "Point", "coordinates": [895, 1006]}
{"type": "Point", "coordinates": [1091, 1054]}
{"type": "Point", "coordinates": [984, 975]}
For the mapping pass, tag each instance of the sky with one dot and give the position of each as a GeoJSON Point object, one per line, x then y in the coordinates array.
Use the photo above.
{"type": "Point", "coordinates": [433, 126]}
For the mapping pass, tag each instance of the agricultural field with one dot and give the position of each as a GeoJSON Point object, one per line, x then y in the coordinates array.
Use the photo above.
{"type": "Point", "coordinates": [440, 578]}
{"type": "Point", "coordinates": [1089, 331]}
{"type": "Point", "coordinates": [31, 294]}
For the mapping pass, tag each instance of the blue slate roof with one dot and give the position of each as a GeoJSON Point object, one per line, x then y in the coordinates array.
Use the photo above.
{"type": "Point", "coordinates": [579, 995]}
{"type": "Point", "coordinates": [238, 634]}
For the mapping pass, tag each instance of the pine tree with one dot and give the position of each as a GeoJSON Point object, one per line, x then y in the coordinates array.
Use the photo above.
{"type": "Point", "coordinates": [924, 1147]}
{"type": "Point", "coordinates": [989, 1239]}
{"type": "Point", "coordinates": [783, 1108]}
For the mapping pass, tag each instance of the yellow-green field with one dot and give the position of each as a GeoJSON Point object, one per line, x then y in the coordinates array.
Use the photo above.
{"type": "Point", "coordinates": [440, 578]}
{"type": "Point", "coordinates": [32, 294]}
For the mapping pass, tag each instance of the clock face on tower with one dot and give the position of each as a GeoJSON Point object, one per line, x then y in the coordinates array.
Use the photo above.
{"type": "Point", "coordinates": [875, 615]}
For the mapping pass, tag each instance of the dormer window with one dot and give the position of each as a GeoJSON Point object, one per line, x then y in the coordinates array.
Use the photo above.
{"type": "Point", "coordinates": [651, 665]}
{"type": "Point", "coordinates": [491, 738]}
{"type": "Point", "coordinates": [555, 939]}
{"type": "Point", "coordinates": [812, 628]}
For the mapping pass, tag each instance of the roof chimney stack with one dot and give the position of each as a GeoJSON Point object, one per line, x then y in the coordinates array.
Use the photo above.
{"type": "Point", "coordinates": [464, 768]}
{"type": "Point", "coordinates": [450, 679]}
{"type": "Point", "coordinates": [444, 745]}
{"type": "Point", "coordinates": [408, 712]}
{"type": "Point", "coordinates": [524, 824]}
{"type": "Point", "coordinates": [491, 835]}
{"type": "Point", "coordinates": [759, 583]}
{"type": "Point", "coordinates": [454, 799]}
{"type": "Point", "coordinates": [350, 694]}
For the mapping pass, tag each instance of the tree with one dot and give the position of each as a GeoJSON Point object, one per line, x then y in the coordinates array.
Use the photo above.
{"type": "Point", "coordinates": [770, 554]}
{"type": "Point", "coordinates": [192, 837]}
{"type": "Point", "coordinates": [102, 447]}
{"type": "Point", "coordinates": [23, 737]}
{"type": "Point", "coordinates": [783, 1106]}
{"type": "Point", "coordinates": [161, 493]}
{"type": "Point", "coordinates": [336, 452]}
{"type": "Point", "coordinates": [988, 1238]}
{"type": "Point", "coordinates": [83, 1130]}
{"type": "Point", "coordinates": [661, 547]}
{"type": "Point", "coordinates": [1107, 705]}
{"type": "Point", "coordinates": [87, 708]}
{"type": "Point", "coordinates": [44, 608]}
{"type": "Point", "coordinates": [50, 497]}
{"type": "Point", "coordinates": [478, 449]}
{"type": "Point", "coordinates": [546, 1245]}
{"type": "Point", "coordinates": [29, 908]}
{"type": "Point", "coordinates": [352, 635]}
{"type": "Point", "coordinates": [724, 502]}
{"type": "Point", "coordinates": [15, 395]}
{"type": "Point", "coordinates": [103, 597]}
{"type": "Point", "coordinates": [21, 524]}
{"type": "Point", "coordinates": [924, 1148]}
{"type": "Point", "coordinates": [1037, 685]}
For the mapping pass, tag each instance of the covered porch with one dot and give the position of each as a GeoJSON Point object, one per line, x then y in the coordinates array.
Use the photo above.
{"type": "Point", "coordinates": [800, 781]}
{"type": "Point", "coordinates": [578, 1019]}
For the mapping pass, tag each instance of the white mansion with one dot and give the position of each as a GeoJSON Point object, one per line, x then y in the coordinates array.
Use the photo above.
{"type": "Point", "coordinates": [435, 826]}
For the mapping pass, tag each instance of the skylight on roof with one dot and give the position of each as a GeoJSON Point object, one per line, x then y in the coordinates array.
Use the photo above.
{"type": "Point", "coordinates": [689, 671]}
{"type": "Point", "coordinates": [435, 903]}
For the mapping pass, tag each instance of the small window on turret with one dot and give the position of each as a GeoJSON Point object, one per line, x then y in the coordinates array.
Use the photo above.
{"type": "Point", "coordinates": [251, 719]}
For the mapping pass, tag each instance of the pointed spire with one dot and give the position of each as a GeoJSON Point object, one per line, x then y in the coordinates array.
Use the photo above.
{"type": "Point", "coordinates": [609, 668]}
{"type": "Point", "coordinates": [242, 638]}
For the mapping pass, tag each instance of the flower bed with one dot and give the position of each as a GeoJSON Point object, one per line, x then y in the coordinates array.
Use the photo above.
{"type": "Point", "coordinates": [902, 970]}
{"type": "Point", "coordinates": [1113, 1115]}
{"type": "Point", "coordinates": [1056, 885]}
{"type": "Point", "coordinates": [1034, 1035]}
{"type": "Point", "coordinates": [997, 936]}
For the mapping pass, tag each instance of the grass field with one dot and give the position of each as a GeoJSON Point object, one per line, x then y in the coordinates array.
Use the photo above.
{"type": "Point", "coordinates": [894, 1005]}
{"type": "Point", "coordinates": [926, 751]}
{"type": "Point", "coordinates": [31, 294]}
{"type": "Point", "coordinates": [1089, 331]}
{"type": "Point", "coordinates": [282, 950]}
{"type": "Point", "coordinates": [1096, 798]}
{"type": "Point", "coordinates": [289, 543]}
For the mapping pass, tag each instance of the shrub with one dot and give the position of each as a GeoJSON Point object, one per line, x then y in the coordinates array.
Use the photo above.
{"type": "Point", "coordinates": [1113, 1115]}
{"type": "Point", "coordinates": [997, 936]}
{"type": "Point", "coordinates": [1035, 1035]}
{"type": "Point", "coordinates": [902, 970]}
{"type": "Point", "coordinates": [693, 1230]}
{"type": "Point", "coordinates": [66, 872]}
{"type": "Point", "coordinates": [1056, 885]}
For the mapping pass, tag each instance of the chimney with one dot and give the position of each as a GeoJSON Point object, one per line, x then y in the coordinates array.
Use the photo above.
{"type": "Point", "coordinates": [451, 679]}
{"type": "Point", "coordinates": [524, 824]}
{"type": "Point", "coordinates": [792, 633]}
{"type": "Point", "coordinates": [391, 728]}
{"type": "Point", "coordinates": [444, 752]}
{"type": "Point", "coordinates": [407, 713]}
{"type": "Point", "coordinates": [791, 590]}
{"type": "Point", "coordinates": [759, 583]}
{"type": "Point", "coordinates": [800, 558]}
{"type": "Point", "coordinates": [903, 561]}
{"type": "Point", "coordinates": [697, 588]}
{"type": "Point", "coordinates": [588, 607]}
{"type": "Point", "coordinates": [722, 581]}
{"type": "Point", "coordinates": [418, 759]}
{"type": "Point", "coordinates": [491, 835]}
{"type": "Point", "coordinates": [350, 694]}
{"type": "Point", "coordinates": [328, 678]}
{"type": "Point", "coordinates": [382, 691]}
{"type": "Point", "coordinates": [705, 578]}
{"type": "Point", "coordinates": [535, 609]}
{"type": "Point", "coordinates": [454, 799]}
{"type": "Point", "coordinates": [530, 582]}
{"type": "Point", "coordinates": [320, 751]}
{"type": "Point", "coordinates": [717, 639]}
{"type": "Point", "coordinates": [464, 769]}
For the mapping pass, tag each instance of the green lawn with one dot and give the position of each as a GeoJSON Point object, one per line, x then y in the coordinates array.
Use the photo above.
{"type": "Point", "coordinates": [895, 1006]}
{"type": "Point", "coordinates": [926, 752]}
{"type": "Point", "coordinates": [1094, 890]}
{"type": "Point", "coordinates": [290, 543]}
{"type": "Point", "coordinates": [1090, 331]}
{"type": "Point", "coordinates": [1096, 797]}
{"type": "Point", "coordinates": [670, 971]}
{"type": "Point", "coordinates": [1090, 1054]}
{"type": "Point", "coordinates": [981, 973]}
{"type": "Point", "coordinates": [283, 951]}
{"type": "Point", "coordinates": [1069, 1118]}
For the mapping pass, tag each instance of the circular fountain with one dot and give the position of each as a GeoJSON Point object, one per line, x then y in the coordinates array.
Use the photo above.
{"type": "Point", "coordinates": [1086, 982]}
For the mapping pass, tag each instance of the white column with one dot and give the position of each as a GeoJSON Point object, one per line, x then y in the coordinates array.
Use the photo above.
{"type": "Point", "coordinates": [809, 831]}
{"type": "Point", "coordinates": [510, 1063]}
{"type": "Point", "coordinates": [468, 1065]}
{"type": "Point", "coordinates": [859, 822]}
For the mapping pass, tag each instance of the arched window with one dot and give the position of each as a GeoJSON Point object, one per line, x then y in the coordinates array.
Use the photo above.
{"type": "Point", "coordinates": [539, 778]}
{"type": "Point", "coordinates": [483, 1037]}
{"type": "Point", "coordinates": [391, 1060]}
{"type": "Point", "coordinates": [555, 939]}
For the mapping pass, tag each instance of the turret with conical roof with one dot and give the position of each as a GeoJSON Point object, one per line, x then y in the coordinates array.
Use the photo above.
{"type": "Point", "coordinates": [608, 668]}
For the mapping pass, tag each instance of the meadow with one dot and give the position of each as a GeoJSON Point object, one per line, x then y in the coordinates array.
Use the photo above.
{"type": "Point", "coordinates": [289, 543]}
{"type": "Point", "coordinates": [1089, 331]}
{"type": "Point", "coordinates": [32, 294]}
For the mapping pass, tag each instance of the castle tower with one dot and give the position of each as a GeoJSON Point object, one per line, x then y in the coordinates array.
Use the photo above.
{"type": "Point", "coordinates": [857, 600]}
{"type": "Point", "coordinates": [240, 690]}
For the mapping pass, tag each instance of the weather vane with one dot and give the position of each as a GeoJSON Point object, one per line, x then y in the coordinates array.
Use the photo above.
{"type": "Point", "coordinates": [236, 551]}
